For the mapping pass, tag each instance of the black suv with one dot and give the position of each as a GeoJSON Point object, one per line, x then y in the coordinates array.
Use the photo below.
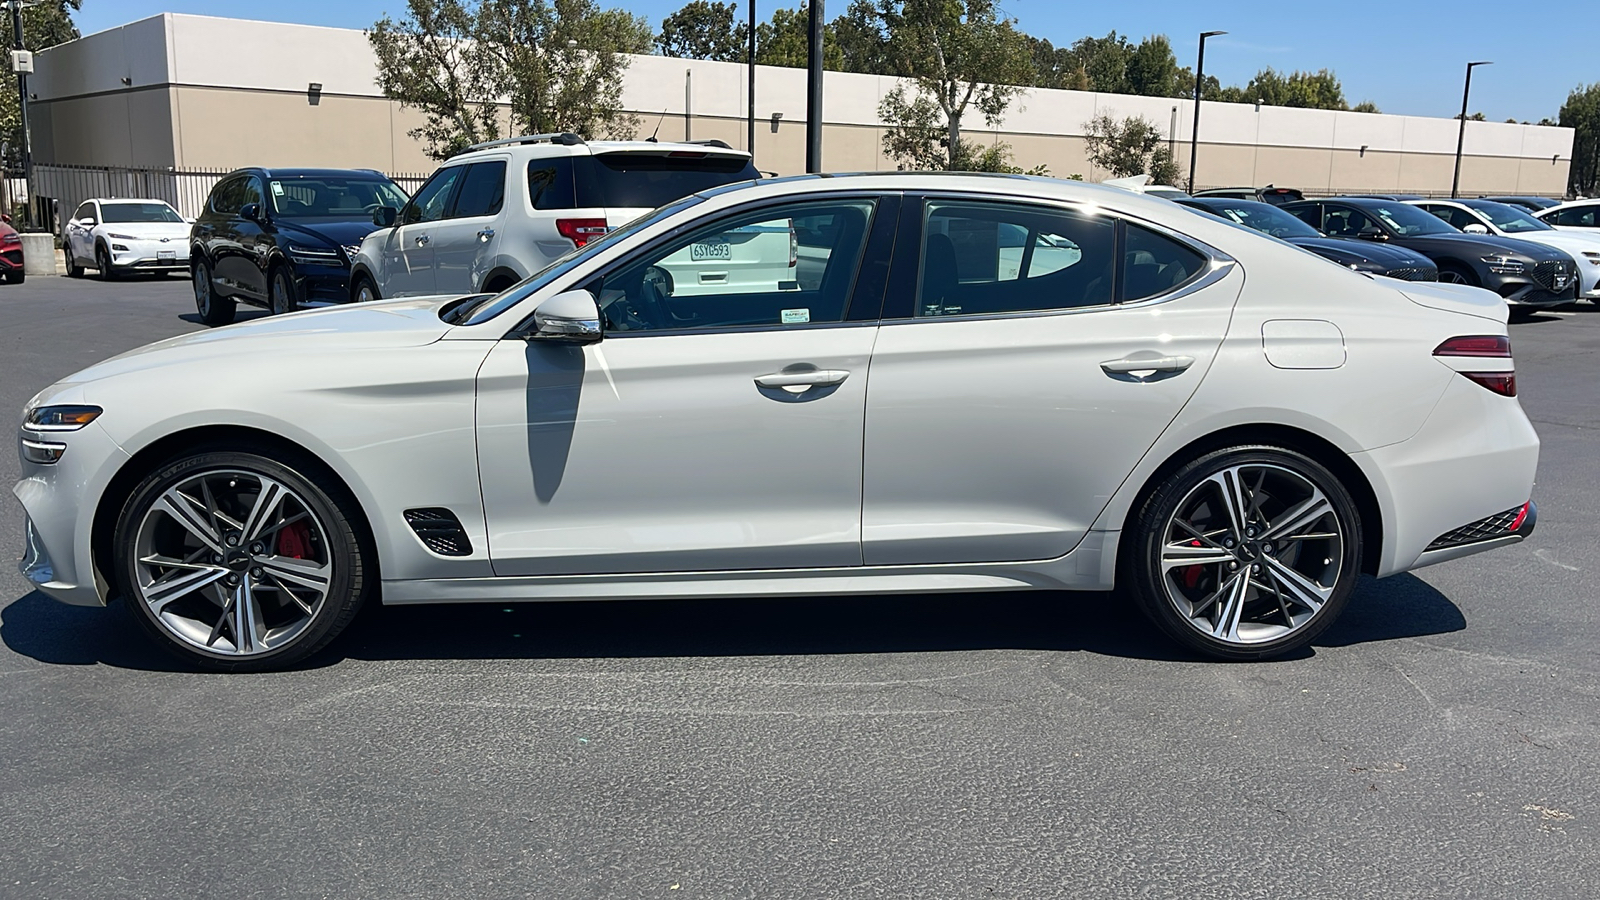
{"type": "Point", "coordinates": [282, 238]}
{"type": "Point", "coordinates": [1524, 273]}
{"type": "Point", "coordinates": [1362, 256]}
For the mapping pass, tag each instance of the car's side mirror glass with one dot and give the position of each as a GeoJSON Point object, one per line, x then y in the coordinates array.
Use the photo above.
{"type": "Point", "coordinates": [385, 216]}
{"type": "Point", "coordinates": [1372, 234]}
{"type": "Point", "coordinates": [1475, 228]}
{"type": "Point", "coordinates": [571, 316]}
{"type": "Point", "coordinates": [251, 211]}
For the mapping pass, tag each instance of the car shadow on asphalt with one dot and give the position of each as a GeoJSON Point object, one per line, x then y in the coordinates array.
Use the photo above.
{"type": "Point", "coordinates": [245, 314]}
{"type": "Point", "coordinates": [1399, 607]}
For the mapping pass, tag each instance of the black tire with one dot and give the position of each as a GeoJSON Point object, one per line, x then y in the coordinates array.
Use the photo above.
{"type": "Point", "coordinates": [1454, 273]}
{"type": "Point", "coordinates": [73, 269]}
{"type": "Point", "coordinates": [214, 309]}
{"type": "Point", "coordinates": [280, 292]}
{"type": "Point", "coordinates": [102, 261]}
{"type": "Point", "coordinates": [335, 517]}
{"type": "Point", "coordinates": [363, 283]}
{"type": "Point", "coordinates": [1162, 594]}
{"type": "Point", "coordinates": [16, 276]}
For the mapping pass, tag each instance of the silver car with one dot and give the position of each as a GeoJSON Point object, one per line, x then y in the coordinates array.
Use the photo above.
{"type": "Point", "coordinates": [981, 383]}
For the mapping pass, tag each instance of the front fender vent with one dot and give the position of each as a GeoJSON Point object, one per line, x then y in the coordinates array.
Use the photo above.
{"type": "Point", "coordinates": [440, 531]}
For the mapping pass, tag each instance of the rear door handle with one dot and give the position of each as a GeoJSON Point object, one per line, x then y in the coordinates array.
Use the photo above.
{"type": "Point", "coordinates": [485, 235]}
{"type": "Point", "coordinates": [422, 240]}
{"type": "Point", "coordinates": [1129, 365]}
{"type": "Point", "coordinates": [813, 378]}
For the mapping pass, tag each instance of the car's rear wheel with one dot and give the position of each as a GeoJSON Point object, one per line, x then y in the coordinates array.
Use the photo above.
{"type": "Point", "coordinates": [74, 270]}
{"type": "Point", "coordinates": [282, 292]}
{"type": "Point", "coordinates": [15, 276]}
{"type": "Point", "coordinates": [1246, 553]}
{"type": "Point", "coordinates": [213, 308]}
{"type": "Point", "coordinates": [102, 261]}
{"type": "Point", "coordinates": [238, 562]}
{"type": "Point", "coordinates": [365, 291]}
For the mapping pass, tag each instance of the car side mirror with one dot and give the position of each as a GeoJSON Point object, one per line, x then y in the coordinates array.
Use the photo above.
{"type": "Point", "coordinates": [189, 219]}
{"type": "Point", "coordinates": [1476, 228]}
{"type": "Point", "coordinates": [385, 216]}
{"type": "Point", "coordinates": [251, 211]}
{"type": "Point", "coordinates": [571, 316]}
{"type": "Point", "coordinates": [81, 223]}
{"type": "Point", "coordinates": [1372, 234]}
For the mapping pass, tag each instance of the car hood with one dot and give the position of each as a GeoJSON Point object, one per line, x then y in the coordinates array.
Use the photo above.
{"type": "Point", "coordinates": [1456, 298]}
{"type": "Point", "coordinates": [152, 230]}
{"type": "Point", "coordinates": [335, 330]}
{"type": "Point", "coordinates": [1480, 244]}
{"type": "Point", "coordinates": [331, 233]}
{"type": "Point", "coordinates": [1348, 251]}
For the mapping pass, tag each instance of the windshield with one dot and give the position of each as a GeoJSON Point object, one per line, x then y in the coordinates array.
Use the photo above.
{"type": "Point", "coordinates": [1508, 218]}
{"type": "Point", "coordinates": [1264, 218]}
{"type": "Point", "coordinates": [483, 310]}
{"type": "Point", "coordinates": [139, 212]}
{"type": "Point", "coordinates": [1408, 221]}
{"type": "Point", "coordinates": [332, 197]}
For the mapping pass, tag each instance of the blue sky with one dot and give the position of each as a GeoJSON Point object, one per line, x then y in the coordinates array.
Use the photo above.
{"type": "Point", "coordinates": [1406, 56]}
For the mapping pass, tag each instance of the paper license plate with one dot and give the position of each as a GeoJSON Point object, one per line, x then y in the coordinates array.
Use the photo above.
{"type": "Point", "coordinates": [710, 250]}
{"type": "Point", "coordinates": [166, 254]}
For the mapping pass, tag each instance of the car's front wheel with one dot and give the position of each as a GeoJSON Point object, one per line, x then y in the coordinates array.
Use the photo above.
{"type": "Point", "coordinates": [1246, 553]}
{"type": "Point", "coordinates": [282, 292]}
{"type": "Point", "coordinates": [213, 308]}
{"type": "Point", "coordinates": [102, 261]}
{"type": "Point", "coordinates": [365, 291]}
{"type": "Point", "coordinates": [238, 562]}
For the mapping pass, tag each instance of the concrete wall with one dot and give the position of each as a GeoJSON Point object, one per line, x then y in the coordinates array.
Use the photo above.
{"type": "Point", "coordinates": [190, 102]}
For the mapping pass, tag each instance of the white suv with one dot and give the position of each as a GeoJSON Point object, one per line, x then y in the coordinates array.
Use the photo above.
{"type": "Point", "coordinates": [502, 210]}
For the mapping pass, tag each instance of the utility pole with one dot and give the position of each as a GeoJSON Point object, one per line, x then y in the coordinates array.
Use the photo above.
{"type": "Point", "coordinates": [750, 59]}
{"type": "Point", "coordinates": [814, 92]}
{"type": "Point", "coordinates": [22, 106]}
{"type": "Point", "coordinates": [1199, 77]}
{"type": "Point", "coordinates": [1461, 135]}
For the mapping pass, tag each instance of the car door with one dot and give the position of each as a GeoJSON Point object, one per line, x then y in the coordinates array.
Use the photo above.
{"type": "Point", "coordinates": [1009, 401]}
{"type": "Point", "coordinates": [464, 239]}
{"type": "Point", "coordinates": [710, 432]}
{"type": "Point", "coordinates": [80, 232]}
{"type": "Point", "coordinates": [408, 253]}
{"type": "Point", "coordinates": [243, 245]}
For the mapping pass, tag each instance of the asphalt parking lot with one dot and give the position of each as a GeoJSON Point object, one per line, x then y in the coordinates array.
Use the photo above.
{"type": "Point", "coordinates": [1440, 741]}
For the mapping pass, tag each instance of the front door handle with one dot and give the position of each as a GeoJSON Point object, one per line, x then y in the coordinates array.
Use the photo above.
{"type": "Point", "coordinates": [802, 380]}
{"type": "Point", "coordinates": [1138, 367]}
{"type": "Point", "coordinates": [422, 240]}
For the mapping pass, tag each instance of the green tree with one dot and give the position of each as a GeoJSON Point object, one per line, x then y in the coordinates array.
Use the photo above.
{"type": "Point", "coordinates": [863, 43]}
{"type": "Point", "coordinates": [1366, 106]}
{"type": "Point", "coordinates": [1103, 62]}
{"type": "Point", "coordinates": [44, 25]}
{"type": "Point", "coordinates": [1581, 113]}
{"type": "Point", "coordinates": [560, 62]}
{"type": "Point", "coordinates": [785, 40]}
{"type": "Point", "coordinates": [1306, 90]}
{"type": "Point", "coordinates": [1153, 70]}
{"type": "Point", "coordinates": [705, 29]}
{"type": "Point", "coordinates": [1127, 147]}
{"type": "Point", "coordinates": [961, 56]}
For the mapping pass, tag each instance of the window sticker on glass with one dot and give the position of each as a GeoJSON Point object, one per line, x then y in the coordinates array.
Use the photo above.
{"type": "Point", "coordinates": [796, 316]}
{"type": "Point", "coordinates": [711, 248]}
{"type": "Point", "coordinates": [277, 188]}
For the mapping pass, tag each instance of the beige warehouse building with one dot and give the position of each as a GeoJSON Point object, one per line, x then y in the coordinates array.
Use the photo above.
{"type": "Point", "coordinates": [170, 92]}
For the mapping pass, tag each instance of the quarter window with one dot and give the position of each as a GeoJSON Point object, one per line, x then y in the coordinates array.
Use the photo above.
{"type": "Point", "coordinates": [778, 268]}
{"type": "Point", "coordinates": [550, 184]}
{"type": "Point", "coordinates": [1154, 264]}
{"type": "Point", "coordinates": [430, 202]}
{"type": "Point", "coordinates": [483, 190]}
{"type": "Point", "coordinates": [988, 258]}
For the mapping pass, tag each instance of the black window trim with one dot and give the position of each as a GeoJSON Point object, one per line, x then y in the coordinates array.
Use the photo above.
{"type": "Point", "coordinates": [908, 256]}
{"type": "Point", "coordinates": [883, 200]}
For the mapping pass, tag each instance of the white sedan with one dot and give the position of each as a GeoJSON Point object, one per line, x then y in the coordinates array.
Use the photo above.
{"type": "Point", "coordinates": [1226, 428]}
{"type": "Point", "coordinates": [117, 236]}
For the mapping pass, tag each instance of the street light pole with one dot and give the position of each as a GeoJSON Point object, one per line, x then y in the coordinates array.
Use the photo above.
{"type": "Point", "coordinates": [750, 61]}
{"type": "Point", "coordinates": [1199, 78]}
{"type": "Point", "coordinates": [22, 108]}
{"type": "Point", "coordinates": [814, 92]}
{"type": "Point", "coordinates": [1461, 134]}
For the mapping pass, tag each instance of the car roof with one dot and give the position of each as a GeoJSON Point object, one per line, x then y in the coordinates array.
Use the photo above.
{"type": "Point", "coordinates": [318, 173]}
{"type": "Point", "coordinates": [127, 200]}
{"type": "Point", "coordinates": [544, 148]}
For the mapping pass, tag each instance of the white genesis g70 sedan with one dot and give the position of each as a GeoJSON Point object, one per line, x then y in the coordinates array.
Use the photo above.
{"type": "Point", "coordinates": [979, 383]}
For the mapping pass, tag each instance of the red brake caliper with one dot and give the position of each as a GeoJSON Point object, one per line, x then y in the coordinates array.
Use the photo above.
{"type": "Point", "coordinates": [1191, 575]}
{"type": "Point", "coordinates": [294, 541]}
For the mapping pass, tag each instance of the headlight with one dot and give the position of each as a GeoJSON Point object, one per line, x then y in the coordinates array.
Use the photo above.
{"type": "Point", "coordinates": [122, 237]}
{"type": "Point", "coordinates": [315, 256]}
{"type": "Point", "coordinates": [61, 418]}
{"type": "Point", "coordinates": [1504, 265]}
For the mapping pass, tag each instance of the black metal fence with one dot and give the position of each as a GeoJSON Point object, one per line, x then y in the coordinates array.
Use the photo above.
{"type": "Point", "coordinates": [62, 189]}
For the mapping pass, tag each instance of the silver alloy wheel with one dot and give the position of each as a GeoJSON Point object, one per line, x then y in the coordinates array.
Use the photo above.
{"type": "Point", "coordinates": [1252, 554]}
{"type": "Point", "coordinates": [202, 289]}
{"type": "Point", "coordinates": [282, 293]}
{"type": "Point", "coordinates": [365, 292]}
{"type": "Point", "coordinates": [1449, 277]}
{"type": "Point", "coordinates": [232, 562]}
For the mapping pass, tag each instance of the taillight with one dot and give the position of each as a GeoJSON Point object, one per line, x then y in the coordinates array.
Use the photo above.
{"type": "Point", "coordinates": [580, 231]}
{"type": "Point", "coordinates": [1483, 346]}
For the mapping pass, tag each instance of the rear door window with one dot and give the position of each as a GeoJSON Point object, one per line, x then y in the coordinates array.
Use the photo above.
{"type": "Point", "coordinates": [1311, 214]}
{"type": "Point", "coordinates": [649, 180]}
{"type": "Point", "coordinates": [483, 190]}
{"type": "Point", "coordinates": [994, 258]}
